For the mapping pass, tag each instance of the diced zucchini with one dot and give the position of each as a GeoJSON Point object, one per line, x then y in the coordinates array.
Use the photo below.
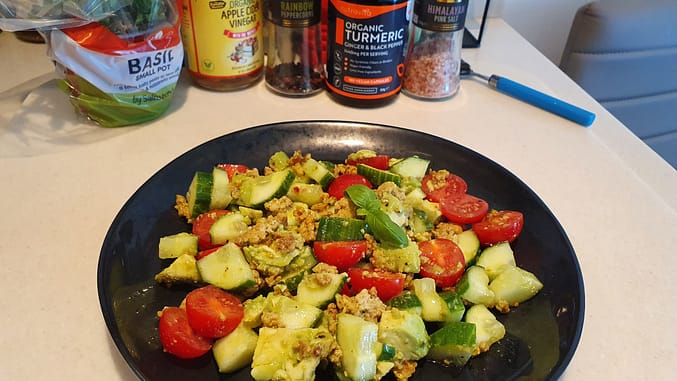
{"type": "Point", "coordinates": [434, 308]}
{"type": "Point", "coordinates": [378, 176]}
{"type": "Point", "coordinates": [199, 193]}
{"type": "Point", "coordinates": [309, 194]}
{"type": "Point", "coordinates": [236, 350]}
{"type": "Point", "coordinates": [513, 286]}
{"type": "Point", "coordinates": [290, 313]}
{"type": "Point", "coordinates": [406, 332]}
{"type": "Point", "coordinates": [358, 340]}
{"type": "Point", "coordinates": [183, 270]}
{"type": "Point", "coordinates": [320, 289]}
{"type": "Point", "coordinates": [412, 166]}
{"type": "Point", "coordinates": [340, 229]}
{"type": "Point", "coordinates": [406, 259]}
{"type": "Point", "coordinates": [318, 172]}
{"type": "Point", "coordinates": [495, 258]}
{"type": "Point", "coordinates": [488, 329]}
{"type": "Point", "coordinates": [474, 287]}
{"type": "Point", "coordinates": [176, 245]}
{"type": "Point", "coordinates": [469, 245]}
{"type": "Point", "coordinates": [406, 301]}
{"type": "Point", "coordinates": [221, 197]}
{"type": "Point", "coordinates": [227, 227]}
{"type": "Point", "coordinates": [226, 268]}
{"type": "Point", "coordinates": [278, 356]}
{"type": "Point", "coordinates": [453, 343]}
{"type": "Point", "coordinates": [386, 353]}
{"type": "Point", "coordinates": [256, 191]}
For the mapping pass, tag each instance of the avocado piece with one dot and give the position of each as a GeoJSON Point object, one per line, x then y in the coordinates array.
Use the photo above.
{"type": "Point", "coordinates": [405, 259]}
{"type": "Point", "coordinates": [235, 351]}
{"type": "Point", "coordinates": [183, 270]}
{"type": "Point", "coordinates": [289, 313]}
{"type": "Point", "coordinates": [253, 308]}
{"type": "Point", "coordinates": [290, 353]}
{"type": "Point", "coordinates": [267, 260]}
{"type": "Point", "coordinates": [405, 331]}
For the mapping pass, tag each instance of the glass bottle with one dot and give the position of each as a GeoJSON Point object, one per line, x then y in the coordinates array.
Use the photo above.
{"type": "Point", "coordinates": [432, 68]}
{"type": "Point", "coordinates": [223, 42]}
{"type": "Point", "coordinates": [294, 63]}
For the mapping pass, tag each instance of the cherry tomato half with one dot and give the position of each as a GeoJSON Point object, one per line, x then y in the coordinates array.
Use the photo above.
{"type": "Point", "coordinates": [463, 208]}
{"type": "Point", "coordinates": [232, 169]}
{"type": "Point", "coordinates": [499, 226]}
{"type": "Point", "coordinates": [203, 253]}
{"type": "Point", "coordinates": [177, 336]}
{"type": "Point", "coordinates": [387, 284]}
{"type": "Point", "coordinates": [342, 254]}
{"type": "Point", "coordinates": [213, 312]}
{"type": "Point", "coordinates": [201, 227]}
{"type": "Point", "coordinates": [442, 260]}
{"type": "Point", "coordinates": [341, 183]}
{"type": "Point", "coordinates": [436, 190]}
{"type": "Point", "coordinates": [379, 161]}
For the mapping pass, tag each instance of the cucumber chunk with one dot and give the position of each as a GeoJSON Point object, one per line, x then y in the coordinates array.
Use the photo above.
{"type": "Point", "coordinates": [453, 344]}
{"type": "Point", "coordinates": [340, 229]}
{"type": "Point", "coordinates": [378, 176]}
{"type": "Point", "coordinates": [199, 193]}
{"type": "Point", "coordinates": [226, 268]}
{"type": "Point", "coordinates": [320, 289]}
{"type": "Point", "coordinates": [176, 245]}
{"type": "Point", "coordinates": [220, 197]}
{"type": "Point", "coordinates": [474, 287]}
{"type": "Point", "coordinates": [513, 286]}
{"type": "Point", "coordinates": [413, 166]}
{"type": "Point", "coordinates": [309, 194]}
{"type": "Point", "coordinates": [318, 172]}
{"type": "Point", "coordinates": [298, 268]}
{"type": "Point", "coordinates": [358, 340]}
{"type": "Point", "coordinates": [406, 332]}
{"type": "Point", "coordinates": [469, 245]}
{"type": "Point", "coordinates": [495, 258]}
{"type": "Point", "coordinates": [236, 350]}
{"type": "Point", "coordinates": [488, 329]}
{"type": "Point", "coordinates": [256, 191]}
{"type": "Point", "coordinates": [406, 301]}
{"type": "Point", "coordinates": [227, 227]}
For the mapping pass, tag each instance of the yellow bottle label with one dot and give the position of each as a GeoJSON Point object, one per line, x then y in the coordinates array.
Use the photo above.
{"type": "Point", "coordinates": [223, 38]}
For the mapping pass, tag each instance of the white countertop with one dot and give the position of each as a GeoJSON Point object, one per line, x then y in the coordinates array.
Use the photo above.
{"type": "Point", "coordinates": [63, 182]}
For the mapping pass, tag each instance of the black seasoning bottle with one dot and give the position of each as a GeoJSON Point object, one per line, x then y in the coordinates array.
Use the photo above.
{"type": "Point", "coordinates": [433, 65]}
{"type": "Point", "coordinates": [294, 64]}
{"type": "Point", "coordinates": [366, 46]}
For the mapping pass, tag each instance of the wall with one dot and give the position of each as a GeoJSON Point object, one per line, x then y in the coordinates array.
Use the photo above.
{"type": "Point", "coordinates": [544, 23]}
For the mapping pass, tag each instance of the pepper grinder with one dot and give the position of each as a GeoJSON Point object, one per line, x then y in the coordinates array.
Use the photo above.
{"type": "Point", "coordinates": [294, 64]}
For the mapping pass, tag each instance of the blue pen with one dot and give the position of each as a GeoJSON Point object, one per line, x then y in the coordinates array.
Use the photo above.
{"type": "Point", "coordinates": [533, 97]}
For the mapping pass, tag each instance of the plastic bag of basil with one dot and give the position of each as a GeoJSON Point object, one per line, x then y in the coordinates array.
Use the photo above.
{"type": "Point", "coordinates": [117, 60]}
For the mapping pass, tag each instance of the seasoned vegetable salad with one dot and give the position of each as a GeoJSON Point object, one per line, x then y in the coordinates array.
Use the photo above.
{"type": "Point", "coordinates": [365, 267]}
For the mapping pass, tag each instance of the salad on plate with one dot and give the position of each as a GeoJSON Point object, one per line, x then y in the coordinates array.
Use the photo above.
{"type": "Point", "coordinates": [366, 267]}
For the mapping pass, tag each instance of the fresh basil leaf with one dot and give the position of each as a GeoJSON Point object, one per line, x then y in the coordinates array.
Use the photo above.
{"type": "Point", "coordinates": [362, 196]}
{"type": "Point", "coordinates": [385, 230]}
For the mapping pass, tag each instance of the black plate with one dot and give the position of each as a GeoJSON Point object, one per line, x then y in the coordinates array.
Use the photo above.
{"type": "Point", "coordinates": [542, 333]}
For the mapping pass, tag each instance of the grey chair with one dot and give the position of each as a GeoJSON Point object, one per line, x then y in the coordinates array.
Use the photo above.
{"type": "Point", "coordinates": [624, 54]}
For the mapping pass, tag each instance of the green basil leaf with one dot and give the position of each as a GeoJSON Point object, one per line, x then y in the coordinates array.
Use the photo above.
{"type": "Point", "coordinates": [385, 230]}
{"type": "Point", "coordinates": [362, 196]}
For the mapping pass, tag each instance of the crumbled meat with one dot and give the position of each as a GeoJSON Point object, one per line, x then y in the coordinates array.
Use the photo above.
{"type": "Point", "coordinates": [403, 370]}
{"type": "Point", "coordinates": [447, 230]}
{"type": "Point", "coordinates": [391, 188]}
{"type": "Point", "coordinates": [366, 304]}
{"type": "Point", "coordinates": [259, 232]}
{"type": "Point", "coordinates": [342, 169]}
{"type": "Point", "coordinates": [181, 207]}
{"type": "Point", "coordinates": [325, 268]}
{"type": "Point", "coordinates": [296, 161]}
{"type": "Point", "coordinates": [437, 179]}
